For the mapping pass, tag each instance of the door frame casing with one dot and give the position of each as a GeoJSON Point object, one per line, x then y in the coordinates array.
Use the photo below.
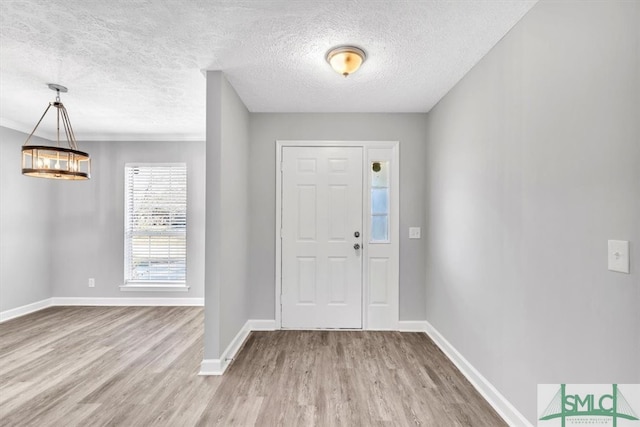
{"type": "Point", "coordinates": [391, 317]}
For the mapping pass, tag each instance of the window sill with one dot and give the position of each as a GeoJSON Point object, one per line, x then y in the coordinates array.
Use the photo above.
{"type": "Point", "coordinates": [154, 287]}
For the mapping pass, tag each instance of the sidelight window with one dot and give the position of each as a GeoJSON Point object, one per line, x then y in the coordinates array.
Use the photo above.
{"type": "Point", "coordinates": [379, 202]}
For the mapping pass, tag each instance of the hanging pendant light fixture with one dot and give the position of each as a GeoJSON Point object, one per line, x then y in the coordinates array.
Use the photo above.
{"type": "Point", "coordinates": [346, 60]}
{"type": "Point", "coordinates": [56, 162]}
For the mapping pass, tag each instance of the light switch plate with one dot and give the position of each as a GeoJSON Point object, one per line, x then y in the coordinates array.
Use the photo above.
{"type": "Point", "coordinates": [414, 232]}
{"type": "Point", "coordinates": [619, 255]}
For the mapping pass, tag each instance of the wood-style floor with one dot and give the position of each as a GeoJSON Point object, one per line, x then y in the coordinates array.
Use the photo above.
{"type": "Point", "coordinates": [138, 366]}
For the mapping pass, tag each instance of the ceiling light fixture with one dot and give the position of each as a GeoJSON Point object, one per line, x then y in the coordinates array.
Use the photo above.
{"type": "Point", "coordinates": [57, 162]}
{"type": "Point", "coordinates": [346, 59]}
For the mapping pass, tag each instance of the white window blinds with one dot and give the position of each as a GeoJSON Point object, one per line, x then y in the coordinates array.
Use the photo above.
{"type": "Point", "coordinates": [156, 223]}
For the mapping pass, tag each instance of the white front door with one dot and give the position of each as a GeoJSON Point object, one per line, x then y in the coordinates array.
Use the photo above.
{"type": "Point", "coordinates": [321, 223]}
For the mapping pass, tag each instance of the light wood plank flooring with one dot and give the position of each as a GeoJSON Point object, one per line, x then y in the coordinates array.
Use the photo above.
{"type": "Point", "coordinates": [138, 366]}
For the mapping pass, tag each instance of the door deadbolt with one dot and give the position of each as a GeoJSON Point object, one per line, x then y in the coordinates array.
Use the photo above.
{"type": "Point", "coordinates": [356, 234]}
{"type": "Point", "coordinates": [356, 246]}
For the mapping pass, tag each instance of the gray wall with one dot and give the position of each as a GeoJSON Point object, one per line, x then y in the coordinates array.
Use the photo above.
{"type": "Point", "coordinates": [88, 231]}
{"type": "Point", "coordinates": [533, 163]}
{"type": "Point", "coordinates": [234, 293]}
{"type": "Point", "coordinates": [25, 227]}
{"type": "Point", "coordinates": [227, 215]}
{"type": "Point", "coordinates": [213, 215]}
{"type": "Point", "coordinates": [266, 128]}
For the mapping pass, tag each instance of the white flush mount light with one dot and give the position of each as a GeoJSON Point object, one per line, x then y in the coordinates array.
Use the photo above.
{"type": "Point", "coordinates": [346, 60]}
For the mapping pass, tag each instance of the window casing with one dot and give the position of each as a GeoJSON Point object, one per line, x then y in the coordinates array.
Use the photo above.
{"type": "Point", "coordinates": [155, 224]}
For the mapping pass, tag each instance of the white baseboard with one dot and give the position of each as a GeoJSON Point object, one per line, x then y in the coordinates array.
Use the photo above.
{"type": "Point", "coordinates": [218, 366]}
{"type": "Point", "coordinates": [261, 325]}
{"type": "Point", "coordinates": [412, 325]}
{"type": "Point", "coordinates": [211, 367]}
{"type": "Point", "coordinates": [500, 404]}
{"type": "Point", "coordinates": [129, 301]}
{"type": "Point", "coordinates": [61, 301]}
{"type": "Point", "coordinates": [25, 309]}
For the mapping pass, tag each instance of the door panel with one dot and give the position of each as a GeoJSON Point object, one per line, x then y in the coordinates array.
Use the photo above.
{"type": "Point", "coordinates": [321, 210]}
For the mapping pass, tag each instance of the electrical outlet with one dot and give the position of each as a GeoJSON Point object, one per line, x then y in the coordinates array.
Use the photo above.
{"type": "Point", "coordinates": [414, 232]}
{"type": "Point", "coordinates": [618, 255]}
{"type": "Point", "coordinates": [92, 282]}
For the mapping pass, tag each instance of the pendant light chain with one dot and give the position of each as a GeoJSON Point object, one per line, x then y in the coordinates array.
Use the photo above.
{"type": "Point", "coordinates": [58, 117]}
{"type": "Point", "coordinates": [37, 124]}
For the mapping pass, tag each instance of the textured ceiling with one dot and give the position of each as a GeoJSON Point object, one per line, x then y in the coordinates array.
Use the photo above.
{"type": "Point", "coordinates": [133, 67]}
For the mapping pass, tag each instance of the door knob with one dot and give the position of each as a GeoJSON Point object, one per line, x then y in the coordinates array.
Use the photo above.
{"type": "Point", "coordinates": [356, 246]}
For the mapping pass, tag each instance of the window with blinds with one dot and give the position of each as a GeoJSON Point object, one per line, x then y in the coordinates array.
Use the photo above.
{"type": "Point", "coordinates": [156, 223]}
